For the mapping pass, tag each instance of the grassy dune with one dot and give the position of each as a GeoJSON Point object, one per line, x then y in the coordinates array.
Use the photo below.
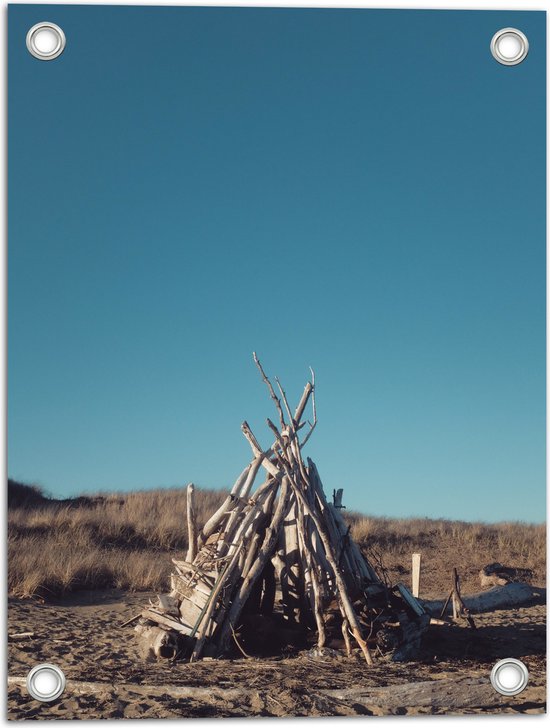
{"type": "Point", "coordinates": [115, 540]}
{"type": "Point", "coordinates": [445, 544]}
{"type": "Point", "coordinates": [127, 541]}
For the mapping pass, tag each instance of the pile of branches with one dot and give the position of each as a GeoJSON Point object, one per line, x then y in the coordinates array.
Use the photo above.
{"type": "Point", "coordinates": [277, 546]}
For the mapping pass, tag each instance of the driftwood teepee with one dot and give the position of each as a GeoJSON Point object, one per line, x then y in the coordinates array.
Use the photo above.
{"type": "Point", "coordinates": [279, 545]}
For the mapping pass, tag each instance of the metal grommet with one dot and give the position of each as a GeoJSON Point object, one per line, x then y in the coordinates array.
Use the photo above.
{"type": "Point", "coordinates": [45, 682]}
{"type": "Point", "coordinates": [509, 46]}
{"type": "Point", "coordinates": [509, 676]}
{"type": "Point", "coordinates": [46, 41]}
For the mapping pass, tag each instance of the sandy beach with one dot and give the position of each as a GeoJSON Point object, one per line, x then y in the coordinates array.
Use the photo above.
{"type": "Point", "coordinates": [108, 678]}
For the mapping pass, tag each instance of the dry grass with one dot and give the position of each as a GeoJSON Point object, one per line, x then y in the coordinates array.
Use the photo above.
{"type": "Point", "coordinates": [446, 544]}
{"type": "Point", "coordinates": [128, 540]}
{"type": "Point", "coordinates": [124, 540]}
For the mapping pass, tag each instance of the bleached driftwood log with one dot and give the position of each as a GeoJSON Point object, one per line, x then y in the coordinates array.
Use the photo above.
{"type": "Point", "coordinates": [514, 594]}
{"type": "Point", "coordinates": [156, 643]}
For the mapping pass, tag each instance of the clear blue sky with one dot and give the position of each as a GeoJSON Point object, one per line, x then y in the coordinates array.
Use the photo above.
{"type": "Point", "coordinates": [360, 191]}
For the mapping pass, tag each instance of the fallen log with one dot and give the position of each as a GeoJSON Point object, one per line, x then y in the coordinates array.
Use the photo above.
{"type": "Point", "coordinates": [449, 694]}
{"type": "Point", "coordinates": [156, 642]}
{"type": "Point", "coordinates": [514, 594]}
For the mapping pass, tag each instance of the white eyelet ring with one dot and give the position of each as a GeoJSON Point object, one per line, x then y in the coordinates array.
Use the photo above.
{"type": "Point", "coordinates": [509, 46]}
{"type": "Point", "coordinates": [45, 682]}
{"type": "Point", "coordinates": [46, 41]}
{"type": "Point", "coordinates": [509, 676]}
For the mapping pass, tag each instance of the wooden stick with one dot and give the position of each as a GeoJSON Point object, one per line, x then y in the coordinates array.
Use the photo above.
{"type": "Point", "coordinates": [191, 524]}
{"type": "Point", "coordinates": [416, 559]}
{"type": "Point", "coordinates": [454, 595]}
{"type": "Point", "coordinates": [239, 645]}
{"type": "Point", "coordinates": [251, 437]}
{"type": "Point", "coordinates": [345, 634]}
{"type": "Point", "coordinates": [291, 575]}
{"type": "Point", "coordinates": [357, 557]}
{"type": "Point", "coordinates": [285, 402]}
{"type": "Point", "coordinates": [214, 521]}
{"type": "Point", "coordinates": [324, 571]}
{"type": "Point", "coordinates": [253, 511]}
{"type": "Point", "coordinates": [258, 536]}
{"type": "Point", "coordinates": [229, 576]}
{"type": "Point", "coordinates": [233, 532]}
{"type": "Point", "coordinates": [186, 567]}
{"type": "Point", "coordinates": [247, 485]}
{"type": "Point", "coordinates": [347, 606]}
{"type": "Point", "coordinates": [316, 603]}
{"type": "Point", "coordinates": [458, 604]}
{"type": "Point", "coordinates": [303, 403]}
{"type": "Point", "coordinates": [242, 495]}
{"type": "Point", "coordinates": [165, 621]}
{"type": "Point", "coordinates": [271, 468]}
{"type": "Point", "coordinates": [318, 610]}
{"type": "Point", "coordinates": [271, 536]}
{"type": "Point", "coordinates": [29, 635]}
{"type": "Point", "coordinates": [205, 616]}
{"type": "Point", "coordinates": [337, 532]}
{"type": "Point", "coordinates": [314, 423]}
{"type": "Point", "coordinates": [271, 390]}
{"type": "Point", "coordinates": [445, 605]}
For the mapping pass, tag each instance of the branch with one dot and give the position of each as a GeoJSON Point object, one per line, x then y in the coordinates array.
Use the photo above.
{"type": "Point", "coordinates": [271, 390]}
{"type": "Point", "coordinates": [238, 644]}
{"type": "Point", "coordinates": [271, 468]}
{"type": "Point", "coordinates": [314, 406]}
{"type": "Point", "coordinates": [287, 407]}
{"type": "Point", "coordinates": [303, 402]}
{"type": "Point", "coordinates": [277, 434]}
{"type": "Point", "coordinates": [247, 432]}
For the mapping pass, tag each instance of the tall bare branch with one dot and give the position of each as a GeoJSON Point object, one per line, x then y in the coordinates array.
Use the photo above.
{"type": "Point", "coordinates": [271, 390]}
